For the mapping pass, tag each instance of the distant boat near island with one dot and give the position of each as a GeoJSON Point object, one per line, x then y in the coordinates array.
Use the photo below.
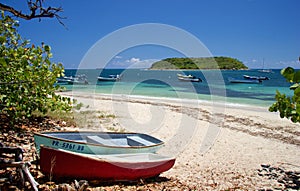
{"type": "Point", "coordinates": [188, 78]}
{"type": "Point", "coordinates": [110, 78]}
{"type": "Point", "coordinates": [248, 79]}
{"type": "Point", "coordinates": [265, 70]}
{"type": "Point", "coordinates": [245, 81]}
{"type": "Point", "coordinates": [256, 77]}
{"type": "Point", "coordinates": [77, 79]}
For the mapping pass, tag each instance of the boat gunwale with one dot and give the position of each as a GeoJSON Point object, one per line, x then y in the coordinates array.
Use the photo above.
{"type": "Point", "coordinates": [95, 144]}
{"type": "Point", "coordinates": [90, 156]}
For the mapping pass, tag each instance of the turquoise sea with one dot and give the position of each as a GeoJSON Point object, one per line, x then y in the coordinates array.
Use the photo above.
{"type": "Point", "coordinates": [214, 87]}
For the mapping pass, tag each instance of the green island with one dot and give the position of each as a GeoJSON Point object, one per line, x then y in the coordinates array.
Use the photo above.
{"type": "Point", "coordinates": [223, 63]}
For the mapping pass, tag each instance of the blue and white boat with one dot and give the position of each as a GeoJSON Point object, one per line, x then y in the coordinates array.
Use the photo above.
{"type": "Point", "coordinates": [256, 77]}
{"type": "Point", "coordinates": [188, 78]}
{"type": "Point", "coordinates": [91, 142]}
{"type": "Point", "coordinates": [78, 79]}
{"type": "Point", "coordinates": [245, 81]}
{"type": "Point", "coordinates": [110, 78]}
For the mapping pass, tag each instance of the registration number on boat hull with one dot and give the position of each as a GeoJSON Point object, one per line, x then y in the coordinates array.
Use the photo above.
{"type": "Point", "coordinates": [68, 146]}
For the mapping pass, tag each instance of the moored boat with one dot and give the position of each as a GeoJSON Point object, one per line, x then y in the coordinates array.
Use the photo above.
{"type": "Point", "coordinates": [188, 78]}
{"type": "Point", "coordinates": [265, 71]}
{"type": "Point", "coordinates": [256, 77]}
{"type": "Point", "coordinates": [59, 163]}
{"type": "Point", "coordinates": [184, 76]}
{"type": "Point", "coordinates": [78, 79]}
{"type": "Point", "coordinates": [92, 142]}
{"type": "Point", "coordinates": [110, 78]}
{"type": "Point", "coordinates": [246, 81]}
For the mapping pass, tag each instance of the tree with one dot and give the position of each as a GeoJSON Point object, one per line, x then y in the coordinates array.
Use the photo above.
{"type": "Point", "coordinates": [289, 107]}
{"type": "Point", "coordinates": [36, 10]}
{"type": "Point", "coordinates": [27, 76]}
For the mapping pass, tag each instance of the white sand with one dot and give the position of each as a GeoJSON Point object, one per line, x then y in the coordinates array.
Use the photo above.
{"type": "Point", "coordinates": [216, 145]}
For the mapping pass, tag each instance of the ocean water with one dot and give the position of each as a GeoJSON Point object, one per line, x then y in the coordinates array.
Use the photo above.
{"type": "Point", "coordinates": [214, 87]}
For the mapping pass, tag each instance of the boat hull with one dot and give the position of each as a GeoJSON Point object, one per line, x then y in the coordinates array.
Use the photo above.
{"type": "Point", "coordinates": [245, 81]}
{"type": "Point", "coordinates": [65, 164]}
{"type": "Point", "coordinates": [110, 78]}
{"type": "Point", "coordinates": [90, 142]}
{"type": "Point", "coordinates": [190, 79]}
{"type": "Point", "coordinates": [256, 77]}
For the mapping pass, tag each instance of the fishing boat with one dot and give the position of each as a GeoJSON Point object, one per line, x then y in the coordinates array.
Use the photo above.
{"type": "Point", "coordinates": [59, 163]}
{"type": "Point", "coordinates": [256, 77]}
{"type": "Point", "coordinates": [78, 79]}
{"type": "Point", "coordinates": [246, 81]}
{"type": "Point", "coordinates": [92, 142]}
{"type": "Point", "coordinates": [110, 78]}
{"type": "Point", "coordinates": [188, 78]}
{"type": "Point", "coordinates": [266, 71]}
{"type": "Point", "coordinates": [184, 76]}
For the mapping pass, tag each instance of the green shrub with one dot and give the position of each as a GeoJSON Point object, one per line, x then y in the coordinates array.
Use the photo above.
{"type": "Point", "coordinates": [289, 107]}
{"type": "Point", "coordinates": [27, 76]}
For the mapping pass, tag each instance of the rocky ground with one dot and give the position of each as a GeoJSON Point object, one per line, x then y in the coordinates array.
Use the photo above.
{"type": "Point", "coordinates": [21, 135]}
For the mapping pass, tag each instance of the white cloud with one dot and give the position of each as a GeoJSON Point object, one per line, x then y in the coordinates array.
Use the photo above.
{"type": "Point", "coordinates": [132, 63]}
{"type": "Point", "coordinates": [133, 60]}
{"type": "Point", "coordinates": [138, 63]}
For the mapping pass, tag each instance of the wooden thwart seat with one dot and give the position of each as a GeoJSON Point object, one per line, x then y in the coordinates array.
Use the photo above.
{"type": "Point", "coordinates": [130, 140]}
{"type": "Point", "coordinates": [138, 141]}
{"type": "Point", "coordinates": [100, 140]}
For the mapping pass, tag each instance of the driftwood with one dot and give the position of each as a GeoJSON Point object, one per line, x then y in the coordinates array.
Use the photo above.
{"type": "Point", "coordinates": [21, 167]}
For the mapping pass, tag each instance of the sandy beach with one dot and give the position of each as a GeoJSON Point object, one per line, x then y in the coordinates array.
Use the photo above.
{"type": "Point", "coordinates": [217, 146]}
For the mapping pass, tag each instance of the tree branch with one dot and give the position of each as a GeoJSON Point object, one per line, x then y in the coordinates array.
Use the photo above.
{"type": "Point", "coordinates": [36, 11]}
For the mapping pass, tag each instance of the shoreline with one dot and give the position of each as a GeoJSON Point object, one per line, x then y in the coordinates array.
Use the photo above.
{"type": "Point", "coordinates": [218, 113]}
{"type": "Point", "coordinates": [166, 99]}
{"type": "Point", "coordinates": [215, 146]}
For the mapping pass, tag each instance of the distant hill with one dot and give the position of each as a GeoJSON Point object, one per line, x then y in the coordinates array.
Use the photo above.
{"type": "Point", "coordinates": [223, 63]}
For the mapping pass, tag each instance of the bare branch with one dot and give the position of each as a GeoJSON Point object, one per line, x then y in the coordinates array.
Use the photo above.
{"type": "Point", "coordinates": [36, 11]}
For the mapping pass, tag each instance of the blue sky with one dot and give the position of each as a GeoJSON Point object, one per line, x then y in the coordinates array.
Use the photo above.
{"type": "Point", "coordinates": [249, 30]}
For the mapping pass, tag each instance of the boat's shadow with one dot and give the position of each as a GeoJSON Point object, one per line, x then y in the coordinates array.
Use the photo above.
{"type": "Point", "coordinates": [157, 179]}
{"type": "Point", "coordinates": [103, 183]}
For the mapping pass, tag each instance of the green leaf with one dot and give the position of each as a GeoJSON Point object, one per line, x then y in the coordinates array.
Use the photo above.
{"type": "Point", "coordinates": [296, 77]}
{"type": "Point", "coordinates": [2, 39]}
{"type": "Point", "coordinates": [47, 48]}
{"type": "Point", "coordinates": [297, 93]}
{"type": "Point", "coordinates": [294, 86]}
{"type": "Point", "coordinates": [288, 73]}
{"type": "Point", "coordinates": [297, 109]}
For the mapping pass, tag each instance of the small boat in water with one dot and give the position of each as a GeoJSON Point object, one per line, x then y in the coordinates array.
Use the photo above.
{"type": "Point", "coordinates": [59, 163]}
{"type": "Point", "coordinates": [256, 77]}
{"type": "Point", "coordinates": [78, 79]}
{"type": "Point", "coordinates": [246, 81]}
{"type": "Point", "coordinates": [99, 142]}
{"type": "Point", "coordinates": [188, 78]}
{"type": "Point", "coordinates": [110, 78]}
{"type": "Point", "coordinates": [185, 76]}
{"type": "Point", "coordinates": [265, 71]}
